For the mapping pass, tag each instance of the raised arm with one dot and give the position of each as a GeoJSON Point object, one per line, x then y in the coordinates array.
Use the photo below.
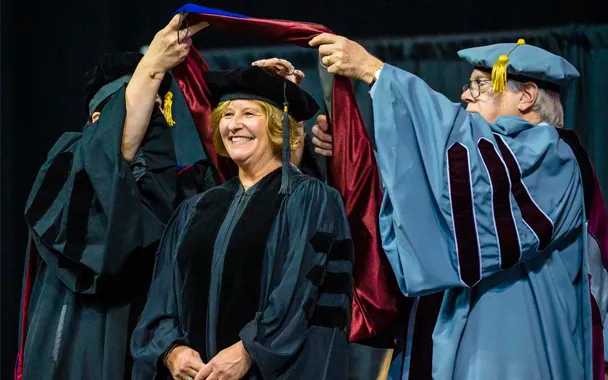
{"type": "Point", "coordinates": [169, 48]}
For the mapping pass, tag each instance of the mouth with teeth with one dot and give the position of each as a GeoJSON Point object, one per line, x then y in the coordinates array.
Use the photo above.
{"type": "Point", "coordinates": [240, 139]}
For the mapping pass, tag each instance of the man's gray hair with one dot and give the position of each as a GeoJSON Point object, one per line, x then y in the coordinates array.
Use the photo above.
{"type": "Point", "coordinates": [547, 104]}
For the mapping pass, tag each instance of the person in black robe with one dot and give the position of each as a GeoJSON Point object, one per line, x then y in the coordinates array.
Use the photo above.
{"type": "Point", "coordinates": [253, 278]}
{"type": "Point", "coordinates": [95, 214]}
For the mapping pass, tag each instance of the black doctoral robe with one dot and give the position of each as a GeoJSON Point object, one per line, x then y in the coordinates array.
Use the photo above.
{"type": "Point", "coordinates": [95, 221]}
{"type": "Point", "coordinates": [271, 270]}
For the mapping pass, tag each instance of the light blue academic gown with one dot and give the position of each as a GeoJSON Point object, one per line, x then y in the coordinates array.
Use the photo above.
{"type": "Point", "coordinates": [606, 339]}
{"type": "Point", "coordinates": [493, 215]}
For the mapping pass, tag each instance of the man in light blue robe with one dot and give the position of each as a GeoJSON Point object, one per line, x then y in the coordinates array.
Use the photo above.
{"type": "Point", "coordinates": [484, 207]}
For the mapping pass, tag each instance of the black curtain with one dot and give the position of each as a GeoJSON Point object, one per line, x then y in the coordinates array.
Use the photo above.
{"type": "Point", "coordinates": [435, 60]}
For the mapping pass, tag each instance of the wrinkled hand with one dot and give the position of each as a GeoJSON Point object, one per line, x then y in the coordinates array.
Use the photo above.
{"type": "Point", "coordinates": [344, 57]}
{"type": "Point", "coordinates": [322, 140]}
{"type": "Point", "coordinates": [282, 68]}
{"type": "Point", "coordinates": [183, 363]}
{"type": "Point", "coordinates": [285, 69]}
{"type": "Point", "coordinates": [231, 363]}
{"type": "Point", "coordinates": [165, 51]}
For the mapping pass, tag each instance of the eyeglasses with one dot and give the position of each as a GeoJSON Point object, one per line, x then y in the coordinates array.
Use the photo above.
{"type": "Point", "coordinates": [474, 86]}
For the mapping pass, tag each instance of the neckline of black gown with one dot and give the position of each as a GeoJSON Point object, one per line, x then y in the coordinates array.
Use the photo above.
{"type": "Point", "coordinates": [243, 263]}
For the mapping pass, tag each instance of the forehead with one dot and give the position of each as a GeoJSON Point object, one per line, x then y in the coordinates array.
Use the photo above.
{"type": "Point", "coordinates": [239, 104]}
{"type": "Point", "coordinates": [478, 74]}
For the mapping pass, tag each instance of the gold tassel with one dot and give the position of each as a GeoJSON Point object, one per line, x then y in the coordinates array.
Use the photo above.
{"type": "Point", "coordinates": [499, 74]}
{"type": "Point", "coordinates": [499, 70]}
{"type": "Point", "coordinates": [168, 104]}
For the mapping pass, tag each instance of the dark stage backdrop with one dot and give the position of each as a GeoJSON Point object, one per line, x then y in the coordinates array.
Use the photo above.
{"type": "Point", "coordinates": [435, 60]}
{"type": "Point", "coordinates": [46, 47]}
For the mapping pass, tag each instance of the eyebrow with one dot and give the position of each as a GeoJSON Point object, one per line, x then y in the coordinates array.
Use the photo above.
{"type": "Point", "coordinates": [479, 76]}
{"type": "Point", "coordinates": [250, 109]}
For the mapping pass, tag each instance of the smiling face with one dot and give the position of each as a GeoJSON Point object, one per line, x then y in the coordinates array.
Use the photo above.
{"type": "Point", "coordinates": [243, 129]}
{"type": "Point", "coordinates": [251, 131]}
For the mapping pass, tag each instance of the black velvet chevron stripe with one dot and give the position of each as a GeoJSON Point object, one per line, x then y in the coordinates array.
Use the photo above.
{"type": "Point", "coordinates": [330, 282]}
{"type": "Point", "coordinates": [337, 250]}
{"type": "Point", "coordinates": [337, 283]}
{"type": "Point", "coordinates": [322, 242]}
{"type": "Point", "coordinates": [342, 250]}
{"type": "Point", "coordinates": [316, 275]}
{"type": "Point", "coordinates": [329, 316]}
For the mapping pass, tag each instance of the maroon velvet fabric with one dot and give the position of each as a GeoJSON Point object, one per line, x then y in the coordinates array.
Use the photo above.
{"type": "Point", "coordinates": [597, 340]}
{"type": "Point", "coordinates": [598, 221]}
{"type": "Point", "coordinates": [189, 76]}
{"type": "Point", "coordinates": [598, 228]}
{"type": "Point", "coordinates": [352, 171]}
{"type": "Point", "coordinates": [30, 277]}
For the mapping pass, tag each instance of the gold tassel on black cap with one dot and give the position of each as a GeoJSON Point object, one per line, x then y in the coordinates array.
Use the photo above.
{"type": "Point", "coordinates": [285, 175]}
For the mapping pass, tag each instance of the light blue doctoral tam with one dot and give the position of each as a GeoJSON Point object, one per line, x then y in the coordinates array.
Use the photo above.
{"type": "Point", "coordinates": [523, 60]}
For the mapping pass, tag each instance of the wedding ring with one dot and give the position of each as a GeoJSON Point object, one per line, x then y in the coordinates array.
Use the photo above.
{"type": "Point", "coordinates": [329, 59]}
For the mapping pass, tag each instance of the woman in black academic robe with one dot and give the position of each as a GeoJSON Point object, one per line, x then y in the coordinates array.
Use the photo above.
{"type": "Point", "coordinates": [253, 278]}
{"type": "Point", "coordinates": [95, 215]}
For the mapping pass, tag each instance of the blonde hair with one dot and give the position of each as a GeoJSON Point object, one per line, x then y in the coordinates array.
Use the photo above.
{"type": "Point", "coordinates": [274, 127]}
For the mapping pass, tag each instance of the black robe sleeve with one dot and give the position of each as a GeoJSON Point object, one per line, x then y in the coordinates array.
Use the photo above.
{"type": "Point", "coordinates": [159, 327]}
{"type": "Point", "coordinates": [89, 209]}
{"type": "Point", "coordinates": [304, 328]}
{"type": "Point", "coordinates": [195, 179]}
